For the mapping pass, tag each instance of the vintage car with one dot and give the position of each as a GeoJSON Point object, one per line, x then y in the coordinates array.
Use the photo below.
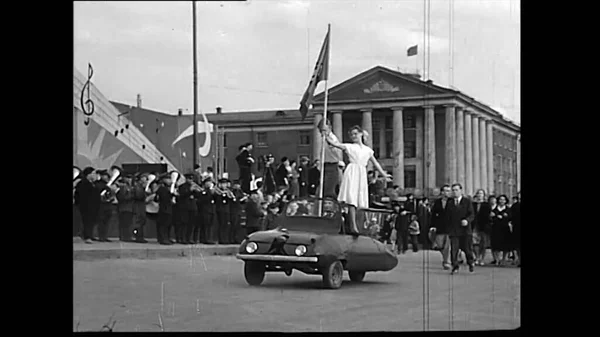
{"type": "Point", "coordinates": [312, 236]}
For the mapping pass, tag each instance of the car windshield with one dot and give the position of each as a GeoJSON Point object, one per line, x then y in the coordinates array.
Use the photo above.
{"type": "Point", "coordinates": [309, 207]}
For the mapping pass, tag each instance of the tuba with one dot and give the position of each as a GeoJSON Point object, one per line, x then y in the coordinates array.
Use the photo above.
{"type": "Point", "coordinates": [151, 178]}
{"type": "Point", "coordinates": [174, 178]}
{"type": "Point", "coordinates": [76, 172]}
{"type": "Point", "coordinates": [115, 173]}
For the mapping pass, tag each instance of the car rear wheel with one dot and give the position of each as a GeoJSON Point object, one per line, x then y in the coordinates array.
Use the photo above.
{"type": "Point", "coordinates": [333, 274]}
{"type": "Point", "coordinates": [254, 272]}
{"type": "Point", "coordinates": [356, 276]}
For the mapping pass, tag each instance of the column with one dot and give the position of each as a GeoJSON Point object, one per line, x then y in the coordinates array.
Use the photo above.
{"type": "Point", "coordinates": [398, 144]}
{"type": "Point", "coordinates": [460, 146]}
{"type": "Point", "coordinates": [430, 173]}
{"type": "Point", "coordinates": [337, 124]}
{"type": "Point", "coordinates": [483, 155]}
{"type": "Point", "coordinates": [468, 154]}
{"type": "Point", "coordinates": [382, 144]}
{"type": "Point", "coordinates": [476, 159]}
{"type": "Point", "coordinates": [450, 175]}
{"type": "Point", "coordinates": [317, 139]}
{"type": "Point", "coordinates": [518, 177]}
{"type": "Point", "coordinates": [490, 154]}
{"type": "Point", "coordinates": [367, 125]}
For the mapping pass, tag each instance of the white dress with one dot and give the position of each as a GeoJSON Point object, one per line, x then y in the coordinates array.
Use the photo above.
{"type": "Point", "coordinates": [354, 189]}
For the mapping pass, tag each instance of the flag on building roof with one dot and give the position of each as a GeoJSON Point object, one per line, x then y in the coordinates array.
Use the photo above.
{"type": "Point", "coordinates": [412, 51]}
{"type": "Point", "coordinates": [320, 74]}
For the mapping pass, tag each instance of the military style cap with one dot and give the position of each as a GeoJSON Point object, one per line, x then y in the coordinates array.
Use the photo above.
{"type": "Point", "coordinates": [103, 172]}
{"type": "Point", "coordinates": [88, 170]}
{"type": "Point", "coordinates": [207, 179]}
{"type": "Point", "coordinates": [224, 180]}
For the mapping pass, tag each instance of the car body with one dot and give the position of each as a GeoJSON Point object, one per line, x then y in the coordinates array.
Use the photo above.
{"type": "Point", "coordinates": [316, 243]}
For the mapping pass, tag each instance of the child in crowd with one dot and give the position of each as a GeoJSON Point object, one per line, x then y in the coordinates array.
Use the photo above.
{"type": "Point", "coordinates": [272, 216]}
{"type": "Point", "coordinates": [414, 231]}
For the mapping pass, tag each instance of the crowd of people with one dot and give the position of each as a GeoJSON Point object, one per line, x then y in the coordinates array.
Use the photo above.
{"type": "Point", "coordinates": [204, 210]}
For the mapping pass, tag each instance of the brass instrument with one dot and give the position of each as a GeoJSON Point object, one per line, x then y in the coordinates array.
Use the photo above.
{"type": "Point", "coordinates": [225, 191]}
{"type": "Point", "coordinates": [115, 173]}
{"type": "Point", "coordinates": [151, 178]}
{"type": "Point", "coordinates": [174, 178]}
{"type": "Point", "coordinates": [195, 187]}
{"type": "Point", "coordinates": [76, 172]}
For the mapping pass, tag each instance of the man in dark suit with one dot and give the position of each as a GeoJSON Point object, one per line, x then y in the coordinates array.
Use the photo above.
{"type": "Point", "coordinates": [125, 199]}
{"type": "Point", "coordinates": [165, 210]}
{"type": "Point", "coordinates": [244, 160]}
{"type": "Point", "coordinates": [460, 217]}
{"type": "Point", "coordinates": [440, 225]}
{"type": "Point", "coordinates": [314, 177]}
{"type": "Point", "coordinates": [303, 172]}
{"type": "Point", "coordinates": [87, 197]}
{"type": "Point", "coordinates": [187, 209]}
{"type": "Point", "coordinates": [107, 209]}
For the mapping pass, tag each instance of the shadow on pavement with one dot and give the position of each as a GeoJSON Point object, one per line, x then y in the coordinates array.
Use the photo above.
{"type": "Point", "coordinates": [317, 283]}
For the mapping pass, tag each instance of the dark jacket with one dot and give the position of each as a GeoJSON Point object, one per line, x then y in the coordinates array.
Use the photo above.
{"type": "Point", "coordinates": [482, 222]}
{"type": "Point", "coordinates": [244, 162]}
{"type": "Point", "coordinates": [253, 214]}
{"type": "Point", "coordinates": [222, 203]}
{"type": "Point", "coordinates": [236, 204]}
{"type": "Point", "coordinates": [206, 202]}
{"type": "Point", "coordinates": [440, 217]}
{"type": "Point", "coordinates": [271, 221]}
{"type": "Point", "coordinates": [281, 176]}
{"type": "Point", "coordinates": [314, 175]}
{"type": "Point", "coordinates": [515, 211]}
{"type": "Point", "coordinates": [125, 199]}
{"type": "Point", "coordinates": [303, 176]}
{"type": "Point", "coordinates": [87, 198]}
{"type": "Point", "coordinates": [139, 199]}
{"type": "Point", "coordinates": [269, 183]}
{"type": "Point", "coordinates": [186, 201]}
{"type": "Point", "coordinates": [164, 199]}
{"type": "Point", "coordinates": [459, 212]}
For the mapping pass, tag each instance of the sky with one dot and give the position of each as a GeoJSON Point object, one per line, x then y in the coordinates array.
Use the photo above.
{"type": "Point", "coordinates": [259, 54]}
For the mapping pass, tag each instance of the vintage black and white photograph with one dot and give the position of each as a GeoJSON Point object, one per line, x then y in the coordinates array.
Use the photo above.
{"type": "Point", "coordinates": [296, 166]}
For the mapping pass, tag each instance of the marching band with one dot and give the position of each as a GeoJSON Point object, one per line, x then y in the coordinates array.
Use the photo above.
{"type": "Point", "coordinates": [199, 211]}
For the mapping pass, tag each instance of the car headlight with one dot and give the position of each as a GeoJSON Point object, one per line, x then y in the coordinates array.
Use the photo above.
{"type": "Point", "coordinates": [251, 247]}
{"type": "Point", "coordinates": [300, 250]}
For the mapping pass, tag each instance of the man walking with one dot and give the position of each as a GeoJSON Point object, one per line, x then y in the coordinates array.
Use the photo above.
{"type": "Point", "coordinates": [460, 217]}
{"type": "Point", "coordinates": [440, 225]}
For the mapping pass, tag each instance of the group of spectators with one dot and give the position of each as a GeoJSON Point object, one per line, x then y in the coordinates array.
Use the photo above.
{"type": "Point", "coordinates": [491, 222]}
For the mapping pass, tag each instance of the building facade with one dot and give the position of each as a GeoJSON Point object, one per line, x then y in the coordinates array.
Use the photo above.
{"type": "Point", "coordinates": [424, 134]}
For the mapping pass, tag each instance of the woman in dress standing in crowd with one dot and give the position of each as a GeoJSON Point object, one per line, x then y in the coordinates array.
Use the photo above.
{"type": "Point", "coordinates": [293, 179]}
{"type": "Point", "coordinates": [501, 233]}
{"type": "Point", "coordinates": [354, 187]}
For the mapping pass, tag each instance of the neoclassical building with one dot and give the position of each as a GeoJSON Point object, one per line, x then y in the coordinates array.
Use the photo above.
{"type": "Point", "coordinates": [424, 134]}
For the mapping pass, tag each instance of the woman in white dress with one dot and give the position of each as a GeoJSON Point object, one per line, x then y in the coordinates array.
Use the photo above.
{"type": "Point", "coordinates": [354, 187]}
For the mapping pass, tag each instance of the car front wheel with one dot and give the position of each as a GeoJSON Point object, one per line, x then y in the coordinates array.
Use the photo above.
{"type": "Point", "coordinates": [254, 272]}
{"type": "Point", "coordinates": [356, 276]}
{"type": "Point", "coordinates": [332, 275]}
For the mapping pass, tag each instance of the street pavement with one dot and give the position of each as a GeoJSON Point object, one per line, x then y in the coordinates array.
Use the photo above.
{"type": "Point", "coordinates": [209, 293]}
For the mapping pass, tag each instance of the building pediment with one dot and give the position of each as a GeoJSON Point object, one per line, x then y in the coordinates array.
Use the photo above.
{"type": "Point", "coordinates": [380, 83]}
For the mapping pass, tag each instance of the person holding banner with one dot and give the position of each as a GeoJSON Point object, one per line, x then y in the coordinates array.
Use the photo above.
{"type": "Point", "coordinates": [354, 187]}
{"type": "Point", "coordinates": [332, 159]}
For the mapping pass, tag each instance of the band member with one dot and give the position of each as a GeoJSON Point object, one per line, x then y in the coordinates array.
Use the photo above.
{"type": "Point", "coordinates": [270, 186]}
{"type": "Point", "coordinates": [125, 199]}
{"type": "Point", "coordinates": [207, 210]}
{"type": "Point", "coordinates": [303, 176]}
{"type": "Point", "coordinates": [186, 206]}
{"type": "Point", "coordinates": [223, 200]}
{"type": "Point", "coordinates": [87, 197]}
{"type": "Point", "coordinates": [314, 176]}
{"type": "Point", "coordinates": [354, 189]}
{"type": "Point", "coordinates": [152, 207]}
{"type": "Point", "coordinates": [165, 210]}
{"type": "Point", "coordinates": [236, 212]}
{"type": "Point", "coordinates": [460, 217]}
{"type": "Point", "coordinates": [333, 156]}
{"type": "Point", "coordinates": [245, 161]}
{"type": "Point", "coordinates": [139, 207]}
{"type": "Point", "coordinates": [106, 210]}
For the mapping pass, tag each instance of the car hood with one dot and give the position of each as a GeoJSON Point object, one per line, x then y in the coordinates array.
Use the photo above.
{"type": "Point", "coordinates": [293, 237]}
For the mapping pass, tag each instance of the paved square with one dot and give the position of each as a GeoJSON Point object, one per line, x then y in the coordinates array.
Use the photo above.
{"type": "Point", "coordinates": [210, 294]}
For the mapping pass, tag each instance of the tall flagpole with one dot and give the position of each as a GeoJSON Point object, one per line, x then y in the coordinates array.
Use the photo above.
{"type": "Point", "coordinates": [195, 120]}
{"type": "Point", "coordinates": [323, 141]}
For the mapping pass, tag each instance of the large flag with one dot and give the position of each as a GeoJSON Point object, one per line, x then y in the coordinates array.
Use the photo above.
{"type": "Point", "coordinates": [412, 51]}
{"type": "Point", "coordinates": [320, 74]}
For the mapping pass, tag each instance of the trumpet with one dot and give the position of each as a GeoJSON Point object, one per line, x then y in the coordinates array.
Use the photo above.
{"type": "Point", "coordinates": [174, 178]}
{"type": "Point", "coordinates": [151, 178]}
{"type": "Point", "coordinates": [224, 191]}
{"type": "Point", "coordinates": [195, 187]}
{"type": "Point", "coordinates": [115, 174]}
